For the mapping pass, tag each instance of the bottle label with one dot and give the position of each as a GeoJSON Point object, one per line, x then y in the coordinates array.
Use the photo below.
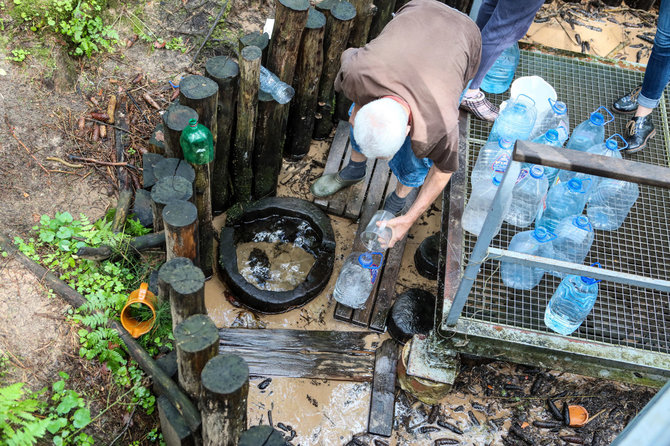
{"type": "Point", "coordinates": [500, 163]}
{"type": "Point", "coordinates": [523, 174]}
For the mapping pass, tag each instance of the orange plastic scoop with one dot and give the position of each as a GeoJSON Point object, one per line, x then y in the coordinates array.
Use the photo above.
{"type": "Point", "coordinates": [578, 416]}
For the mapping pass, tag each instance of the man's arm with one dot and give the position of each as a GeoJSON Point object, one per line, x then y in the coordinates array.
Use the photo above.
{"type": "Point", "coordinates": [435, 182]}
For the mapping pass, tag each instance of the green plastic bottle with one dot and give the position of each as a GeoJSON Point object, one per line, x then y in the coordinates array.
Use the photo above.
{"type": "Point", "coordinates": [197, 143]}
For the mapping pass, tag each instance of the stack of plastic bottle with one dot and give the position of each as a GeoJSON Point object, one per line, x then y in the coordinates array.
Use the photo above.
{"type": "Point", "coordinates": [556, 119]}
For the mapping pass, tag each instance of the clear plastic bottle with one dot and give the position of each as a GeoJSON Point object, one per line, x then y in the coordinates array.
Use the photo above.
{"type": "Point", "coordinates": [197, 143]}
{"type": "Point", "coordinates": [563, 200]}
{"type": "Point", "coordinates": [500, 75]}
{"type": "Point", "coordinates": [557, 119]}
{"type": "Point", "coordinates": [493, 157]}
{"type": "Point", "coordinates": [479, 204]}
{"type": "Point", "coordinates": [590, 132]}
{"type": "Point", "coordinates": [571, 303]}
{"type": "Point", "coordinates": [608, 148]}
{"type": "Point", "coordinates": [516, 120]}
{"type": "Point", "coordinates": [270, 83]}
{"type": "Point", "coordinates": [609, 204]}
{"type": "Point", "coordinates": [537, 243]}
{"type": "Point", "coordinates": [357, 278]}
{"type": "Point", "coordinates": [551, 138]}
{"type": "Point", "coordinates": [574, 237]}
{"type": "Point", "coordinates": [528, 192]}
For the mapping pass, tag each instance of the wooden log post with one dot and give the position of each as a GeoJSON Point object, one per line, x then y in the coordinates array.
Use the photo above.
{"type": "Point", "coordinates": [165, 273]}
{"type": "Point", "coordinates": [180, 219]}
{"type": "Point", "coordinates": [337, 35]}
{"type": "Point", "coordinates": [135, 245]}
{"type": "Point", "coordinates": [256, 38]}
{"type": "Point", "coordinates": [290, 20]}
{"type": "Point", "coordinates": [266, 107]}
{"type": "Point", "coordinates": [196, 340]}
{"type": "Point", "coordinates": [187, 288]}
{"type": "Point", "coordinates": [383, 16]}
{"type": "Point", "coordinates": [203, 202]}
{"type": "Point", "coordinates": [365, 11]}
{"type": "Point", "coordinates": [324, 7]}
{"type": "Point", "coordinates": [262, 435]}
{"type": "Point", "coordinates": [166, 190]}
{"type": "Point", "coordinates": [125, 186]}
{"type": "Point", "coordinates": [223, 404]}
{"type": "Point", "coordinates": [250, 65]}
{"type": "Point", "coordinates": [399, 4]}
{"type": "Point", "coordinates": [175, 119]}
{"type": "Point", "coordinates": [306, 84]}
{"type": "Point", "coordinates": [202, 95]}
{"type": "Point", "coordinates": [225, 72]}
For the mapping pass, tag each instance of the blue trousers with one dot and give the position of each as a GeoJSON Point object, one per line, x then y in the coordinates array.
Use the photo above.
{"type": "Point", "coordinates": [657, 75]}
{"type": "Point", "coordinates": [502, 22]}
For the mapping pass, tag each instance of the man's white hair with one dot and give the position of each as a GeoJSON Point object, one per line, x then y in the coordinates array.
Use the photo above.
{"type": "Point", "coordinates": [380, 128]}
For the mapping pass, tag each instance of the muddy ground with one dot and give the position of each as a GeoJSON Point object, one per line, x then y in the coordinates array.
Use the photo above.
{"type": "Point", "coordinates": [40, 101]}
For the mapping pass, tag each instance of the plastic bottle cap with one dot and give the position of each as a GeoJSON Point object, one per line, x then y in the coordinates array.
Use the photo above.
{"type": "Point", "coordinates": [551, 135]}
{"type": "Point", "coordinates": [597, 118]}
{"type": "Point", "coordinates": [540, 233]}
{"type": "Point", "coordinates": [575, 184]}
{"type": "Point", "coordinates": [536, 171]}
{"type": "Point", "coordinates": [559, 107]}
{"type": "Point", "coordinates": [611, 144]}
{"type": "Point", "coordinates": [497, 178]}
{"type": "Point", "coordinates": [588, 280]}
{"type": "Point", "coordinates": [581, 222]}
{"type": "Point", "coordinates": [365, 259]}
{"type": "Point", "coordinates": [505, 143]}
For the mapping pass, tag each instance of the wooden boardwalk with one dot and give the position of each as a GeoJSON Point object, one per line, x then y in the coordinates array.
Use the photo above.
{"type": "Point", "coordinates": [360, 202]}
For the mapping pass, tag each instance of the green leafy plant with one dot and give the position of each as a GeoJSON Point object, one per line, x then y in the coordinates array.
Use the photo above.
{"type": "Point", "coordinates": [19, 55]}
{"type": "Point", "coordinates": [176, 44]}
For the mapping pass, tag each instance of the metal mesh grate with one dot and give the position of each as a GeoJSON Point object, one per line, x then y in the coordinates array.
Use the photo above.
{"type": "Point", "coordinates": [623, 315]}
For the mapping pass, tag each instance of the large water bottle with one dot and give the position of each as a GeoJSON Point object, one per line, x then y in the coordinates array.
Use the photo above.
{"type": "Point", "coordinates": [609, 204]}
{"type": "Point", "coordinates": [500, 75]}
{"type": "Point", "coordinates": [479, 204]}
{"type": "Point", "coordinates": [528, 192]}
{"type": "Point", "coordinates": [557, 118]}
{"type": "Point", "coordinates": [571, 303]}
{"type": "Point", "coordinates": [551, 138]}
{"type": "Point", "coordinates": [574, 237]}
{"type": "Point", "coordinates": [270, 83]}
{"type": "Point", "coordinates": [536, 243]}
{"type": "Point", "coordinates": [493, 157]}
{"type": "Point", "coordinates": [590, 132]}
{"type": "Point", "coordinates": [357, 278]}
{"type": "Point", "coordinates": [516, 120]}
{"type": "Point", "coordinates": [563, 200]}
{"type": "Point", "coordinates": [608, 148]}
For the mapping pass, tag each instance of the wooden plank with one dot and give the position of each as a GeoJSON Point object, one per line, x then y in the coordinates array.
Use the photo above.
{"type": "Point", "coordinates": [375, 185]}
{"type": "Point", "coordinates": [385, 290]}
{"type": "Point", "coordinates": [357, 192]}
{"type": "Point", "coordinates": [297, 340]}
{"type": "Point", "coordinates": [335, 154]}
{"type": "Point", "coordinates": [382, 401]}
{"type": "Point", "coordinates": [604, 166]}
{"type": "Point", "coordinates": [318, 365]}
{"type": "Point", "coordinates": [339, 200]}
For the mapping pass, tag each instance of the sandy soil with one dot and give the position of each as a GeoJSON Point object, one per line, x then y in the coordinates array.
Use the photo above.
{"type": "Point", "coordinates": [39, 342]}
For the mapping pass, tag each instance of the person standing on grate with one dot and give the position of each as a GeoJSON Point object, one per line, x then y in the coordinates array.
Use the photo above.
{"type": "Point", "coordinates": [406, 85]}
{"type": "Point", "coordinates": [502, 23]}
{"type": "Point", "coordinates": [644, 98]}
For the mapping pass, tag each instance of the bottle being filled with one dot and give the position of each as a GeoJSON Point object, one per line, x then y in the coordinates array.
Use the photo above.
{"type": "Point", "coordinates": [357, 278]}
{"type": "Point", "coordinates": [571, 303]}
{"type": "Point", "coordinates": [270, 83]}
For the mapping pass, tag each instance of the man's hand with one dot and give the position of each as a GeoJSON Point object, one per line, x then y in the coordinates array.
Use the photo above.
{"type": "Point", "coordinates": [400, 226]}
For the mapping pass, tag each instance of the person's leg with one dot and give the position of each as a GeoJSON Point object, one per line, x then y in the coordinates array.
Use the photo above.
{"type": "Point", "coordinates": [656, 77]}
{"type": "Point", "coordinates": [410, 172]}
{"type": "Point", "coordinates": [485, 12]}
{"type": "Point", "coordinates": [501, 27]}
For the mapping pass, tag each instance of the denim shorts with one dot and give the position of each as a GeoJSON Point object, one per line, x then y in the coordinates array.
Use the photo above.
{"type": "Point", "coordinates": [410, 170]}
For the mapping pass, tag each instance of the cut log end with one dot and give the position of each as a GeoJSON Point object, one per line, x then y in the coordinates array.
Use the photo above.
{"type": "Point", "coordinates": [171, 188]}
{"type": "Point", "coordinates": [262, 435]}
{"type": "Point", "coordinates": [225, 375]}
{"type": "Point", "coordinates": [166, 271]}
{"type": "Point", "coordinates": [196, 333]}
{"type": "Point", "coordinates": [187, 280]}
{"type": "Point", "coordinates": [296, 5]}
{"type": "Point", "coordinates": [177, 116]}
{"type": "Point", "coordinates": [251, 53]}
{"type": "Point", "coordinates": [315, 19]}
{"type": "Point", "coordinates": [255, 38]}
{"type": "Point", "coordinates": [170, 167]}
{"type": "Point", "coordinates": [180, 213]}
{"type": "Point", "coordinates": [196, 87]}
{"type": "Point", "coordinates": [221, 68]}
{"type": "Point", "coordinates": [343, 11]}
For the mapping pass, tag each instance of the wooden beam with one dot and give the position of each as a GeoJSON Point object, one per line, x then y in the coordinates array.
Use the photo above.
{"type": "Point", "coordinates": [202, 95]}
{"type": "Point", "coordinates": [382, 401]}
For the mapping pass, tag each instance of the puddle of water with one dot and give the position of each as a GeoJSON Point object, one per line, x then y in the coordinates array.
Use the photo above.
{"type": "Point", "coordinates": [273, 266]}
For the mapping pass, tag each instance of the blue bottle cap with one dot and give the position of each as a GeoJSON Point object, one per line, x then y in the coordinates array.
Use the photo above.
{"type": "Point", "coordinates": [542, 235]}
{"type": "Point", "coordinates": [536, 171]}
{"type": "Point", "coordinates": [582, 222]}
{"type": "Point", "coordinates": [611, 144]}
{"type": "Point", "coordinates": [559, 107]}
{"type": "Point", "coordinates": [497, 178]}
{"type": "Point", "coordinates": [365, 259]}
{"type": "Point", "coordinates": [575, 184]}
{"type": "Point", "coordinates": [551, 135]}
{"type": "Point", "coordinates": [597, 118]}
{"type": "Point", "coordinates": [505, 143]}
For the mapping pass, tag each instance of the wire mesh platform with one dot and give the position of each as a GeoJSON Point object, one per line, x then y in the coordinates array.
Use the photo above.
{"type": "Point", "coordinates": [623, 315]}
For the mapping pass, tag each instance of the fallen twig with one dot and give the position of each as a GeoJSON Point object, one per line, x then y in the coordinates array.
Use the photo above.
{"type": "Point", "coordinates": [94, 161]}
{"type": "Point", "coordinates": [11, 130]}
{"type": "Point", "coordinates": [58, 160]}
{"type": "Point", "coordinates": [105, 123]}
{"type": "Point", "coordinates": [211, 30]}
{"type": "Point", "coordinates": [151, 101]}
{"type": "Point", "coordinates": [132, 99]}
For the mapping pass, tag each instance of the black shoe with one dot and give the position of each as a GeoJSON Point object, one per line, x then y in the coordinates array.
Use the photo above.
{"type": "Point", "coordinates": [638, 131]}
{"type": "Point", "coordinates": [627, 104]}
